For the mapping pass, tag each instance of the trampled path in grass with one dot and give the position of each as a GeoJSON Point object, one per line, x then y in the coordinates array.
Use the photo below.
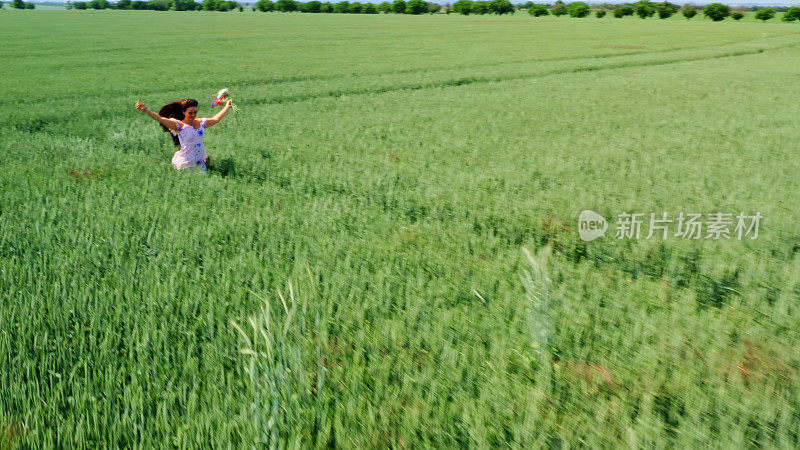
{"type": "Point", "coordinates": [398, 209]}
{"type": "Point", "coordinates": [311, 87]}
{"type": "Point", "coordinates": [480, 68]}
{"type": "Point", "coordinates": [290, 51]}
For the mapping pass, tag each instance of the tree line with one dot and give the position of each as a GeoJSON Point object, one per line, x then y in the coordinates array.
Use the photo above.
{"type": "Point", "coordinates": [415, 7]}
{"type": "Point", "coordinates": [19, 4]}
{"type": "Point", "coordinates": [397, 7]}
{"type": "Point", "coordinates": [642, 8]}
{"type": "Point", "coordinates": [645, 9]}
{"type": "Point", "coordinates": [159, 5]}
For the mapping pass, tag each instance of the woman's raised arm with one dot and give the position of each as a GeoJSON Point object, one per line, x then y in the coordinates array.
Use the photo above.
{"type": "Point", "coordinates": [220, 115]}
{"type": "Point", "coordinates": [167, 122]}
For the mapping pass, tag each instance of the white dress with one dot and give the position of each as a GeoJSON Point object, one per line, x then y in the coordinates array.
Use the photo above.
{"type": "Point", "coordinates": [192, 152]}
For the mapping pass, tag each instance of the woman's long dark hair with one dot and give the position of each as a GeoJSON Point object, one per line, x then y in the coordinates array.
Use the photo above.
{"type": "Point", "coordinates": [175, 110]}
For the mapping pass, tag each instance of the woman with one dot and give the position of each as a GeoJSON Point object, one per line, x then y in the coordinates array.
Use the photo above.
{"type": "Point", "coordinates": [180, 119]}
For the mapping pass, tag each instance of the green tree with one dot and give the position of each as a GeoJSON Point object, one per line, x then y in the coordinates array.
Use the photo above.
{"type": "Point", "coordinates": [326, 8]}
{"type": "Point", "coordinates": [717, 11]}
{"type": "Point", "coordinates": [370, 8]}
{"type": "Point", "coordinates": [432, 8]}
{"type": "Point", "coordinates": [578, 9]}
{"type": "Point", "coordinates": [689, 12]}
{"type": "Point", "coordinates": [644, 9]}
{"type": "Point", "coordinates": [30, 6]}
{"type": "Point", "coordinates": [17, 4]}
{"type": "Point", "coordinates": [356, 8]}
{"type": "Point", "coordinates": [666, 10]}
{"type": "Point", "coordinates": [313, 6]}
{"type": "Point", "coordinates": [480, 7]}
{"type": "Point", "coordinates": [285, 5]}
{"type": "Point", "coordinates": [342, 7]}
{"type": "Point", "coordinates": [600, 13]}
{"type": "Point", "coordinates": [399, 7]}
{"type": "Point", "coordinates": [415, 7]}
{"type": "Point", "coordinates": [385, 8]}
{"type": "Point", "coordinates": [765, 14]}
{"type": "Point", "coordinates": [265, 5]}
{"type": "Point", "coordinates": [184, 5]}
{"type": "Point", "coordinates": [501, 7]}
{"type": "Point", "coordinates": [159, 5]}
{"type": "Point", "coordinates": [462, 7]}
{"type": "Point", "coordinates": [737, 15]}
{"type": "Point", "coordinates": [559, 9]}
{"type": "Point", "coordinates": [538, 10]}
{"type": "Point", "coordinates": [79, 5]}
{"type": "Point", "coordinates": [623, 11]}
{"type": "Point", "coordinates": [791, 14]}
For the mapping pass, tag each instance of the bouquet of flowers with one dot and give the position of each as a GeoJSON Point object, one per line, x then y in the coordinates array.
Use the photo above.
{"type": "Point", "coordinates": [221, 97]}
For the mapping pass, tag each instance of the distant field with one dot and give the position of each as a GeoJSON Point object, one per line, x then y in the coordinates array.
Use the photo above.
{"type": "Point", "coordinates": [391, 224]}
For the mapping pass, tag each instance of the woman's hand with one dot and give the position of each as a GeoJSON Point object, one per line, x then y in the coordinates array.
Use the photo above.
{"type": "Point", "coordinates": [166, 122]}
{"type": "Point", "coordinates": [229, 103]}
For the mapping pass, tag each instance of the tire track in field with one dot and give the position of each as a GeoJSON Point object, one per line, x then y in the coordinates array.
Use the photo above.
{"type": "Point", "coordinates": [323, 77]}
{"type": "Point", "coordinates": [491, 79]}
{"type": "Point", "coordinates": [252, 82]}
{"type": "Point", "coordinates": [45, 123]}
{"type": "Point", "coordinates": [327, 77]}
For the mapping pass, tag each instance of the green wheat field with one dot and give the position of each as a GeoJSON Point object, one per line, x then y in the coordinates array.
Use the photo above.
{"type": "Point", "coordinates": [385, 252]}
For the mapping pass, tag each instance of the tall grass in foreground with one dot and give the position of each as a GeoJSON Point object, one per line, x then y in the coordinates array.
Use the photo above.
{"type": "Point", "coordinates": [522, 388]}
{"type": "Point", "coordinates": [287, 373]}
{"type": "Point", "coordinates": [314, 386]}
